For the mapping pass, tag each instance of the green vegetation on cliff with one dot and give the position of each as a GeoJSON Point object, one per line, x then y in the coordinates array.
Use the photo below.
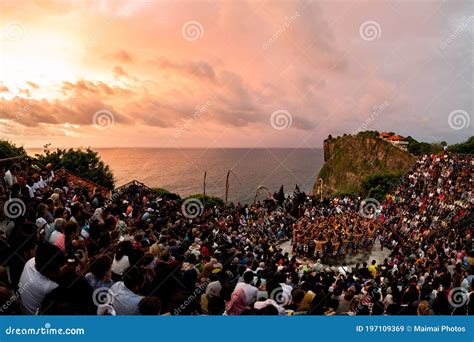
{"type": "Point", "coordinates": [166, 193]}
{"type": "Point", "coordinates": [85, 163]}
{"type": "Point", "coordinates": [207, 201]}
{"type": "Point", "coordinates": [10, 150]}
{"type": "Point", "coordinates": [466, 147]}
{"type": "Point", "coordinates": [363, 164]}
{"type": "Point", "coordinates": [419, 148]}
{"type": "Point", "coordinates": [379, 184]}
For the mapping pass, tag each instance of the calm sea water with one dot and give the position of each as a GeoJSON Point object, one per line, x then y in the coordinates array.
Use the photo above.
{"type": "Point", "coordinates": [182, 170]}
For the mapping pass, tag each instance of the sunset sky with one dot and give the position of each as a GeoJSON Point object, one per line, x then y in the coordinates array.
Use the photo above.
{"type": "Point", "coordinates": [233, 73]}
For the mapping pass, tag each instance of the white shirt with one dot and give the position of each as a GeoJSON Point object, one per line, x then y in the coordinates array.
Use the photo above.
{"type": "Point", "coordinates": [33, 287]}
{"type": "Point", "coordinates": [51, 177]}
{"type": "Point", "coordinates": [260, 305]}
{"type": "Point", "coordinates": [286, 290]}
{"type": "Point", "coordinates": [118, 267]}
{"type": "Point", "coordinates": [342, 270]}
{"type": "Point", "coordinates": [250, 292]}
{"type": "Point", "coordinates": [9, 179]}
{"type": "Point", "coordinates": [213, 289]}
{"type": "Point", "coordinates": [30, 191]}
{"type": "Point", "coordinates": [125, 302]}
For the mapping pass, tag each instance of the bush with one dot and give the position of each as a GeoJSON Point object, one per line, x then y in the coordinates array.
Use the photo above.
{"type": "Point", "coordinates": [208, 201]}
{"type": "Point", "coordinates": [379, 184]}
{"type": "Point", "coordinates": [368, 134]}
{"type": "Point", "coordinates": [466, 147]}
{"type": "Point", "coordinates": [85, 163]}
{"type": "Point", "coordinates": [419, 148]}
{"type": "Point", "coordinates": [342, 194]}
{"type": "Point", "coordinates": [166, 194]}
{"type": "Point", "coordinates": [9, 150]}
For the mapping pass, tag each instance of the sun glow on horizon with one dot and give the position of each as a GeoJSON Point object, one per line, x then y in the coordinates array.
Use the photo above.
{"type": "Point", "coordinates": [44, 57]}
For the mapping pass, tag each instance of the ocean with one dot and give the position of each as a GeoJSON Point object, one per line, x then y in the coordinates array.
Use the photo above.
{"type": "Point", "coordinates": [182, 170]}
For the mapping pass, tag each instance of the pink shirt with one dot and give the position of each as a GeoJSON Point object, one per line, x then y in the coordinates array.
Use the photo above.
{"type": "Point", "coordinates": [60, 243]}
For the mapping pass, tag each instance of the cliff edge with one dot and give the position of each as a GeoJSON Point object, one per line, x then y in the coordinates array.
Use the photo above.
{"type": "Point", "coordinates": [350, 159]}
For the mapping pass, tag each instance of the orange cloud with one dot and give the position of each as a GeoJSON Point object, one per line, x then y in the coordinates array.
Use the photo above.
{"type": "Point", "coordinates": [32, 85]}
{"type": "Point", "coordinates": [99, 88]}
{"type": "Point", "coordinates": [73, 110]}
{"type": "Point", "coordinates": [122, 56]}
{"type": "Point", "coordinates": [119, 72]}
{"type": "Point", "coordinates": [25, 92]}
{"type": "Point", "coordinates": [199, 69]}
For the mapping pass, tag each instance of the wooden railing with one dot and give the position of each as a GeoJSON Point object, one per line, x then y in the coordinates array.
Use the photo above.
{"type": "Point", "coordinates": [117, 192]}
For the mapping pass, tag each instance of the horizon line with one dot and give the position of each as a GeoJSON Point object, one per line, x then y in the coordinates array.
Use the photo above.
{"type": "Point", "coordinates": [173, 148]}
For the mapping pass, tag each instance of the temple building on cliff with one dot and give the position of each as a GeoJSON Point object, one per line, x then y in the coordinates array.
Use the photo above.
{"type": "Point", "coordinates": [395, 140]}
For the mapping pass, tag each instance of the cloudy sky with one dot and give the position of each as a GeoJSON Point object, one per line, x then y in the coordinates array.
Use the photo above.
{"type": "Point", "coordinates": [233, 73]}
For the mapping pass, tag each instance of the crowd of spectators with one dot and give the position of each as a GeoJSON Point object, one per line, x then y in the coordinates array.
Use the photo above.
{"type": "Point", "coordinates": [67, 251]}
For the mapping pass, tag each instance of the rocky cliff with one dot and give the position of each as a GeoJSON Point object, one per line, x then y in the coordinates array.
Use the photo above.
{"type": "Point", "coordinates": [352, 158]}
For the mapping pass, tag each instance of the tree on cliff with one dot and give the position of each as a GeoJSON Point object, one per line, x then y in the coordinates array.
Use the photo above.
{"type": "Point", "coordinates": [466, 147]}
{"type": "Point", "coordinates": [9, 150]}
{"type": "Point", "coordinates": [379, 184]}
{"type": "Point", "coordinates": [419, 148]}
{"type": "Point", "coordinates": [85, 163]}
